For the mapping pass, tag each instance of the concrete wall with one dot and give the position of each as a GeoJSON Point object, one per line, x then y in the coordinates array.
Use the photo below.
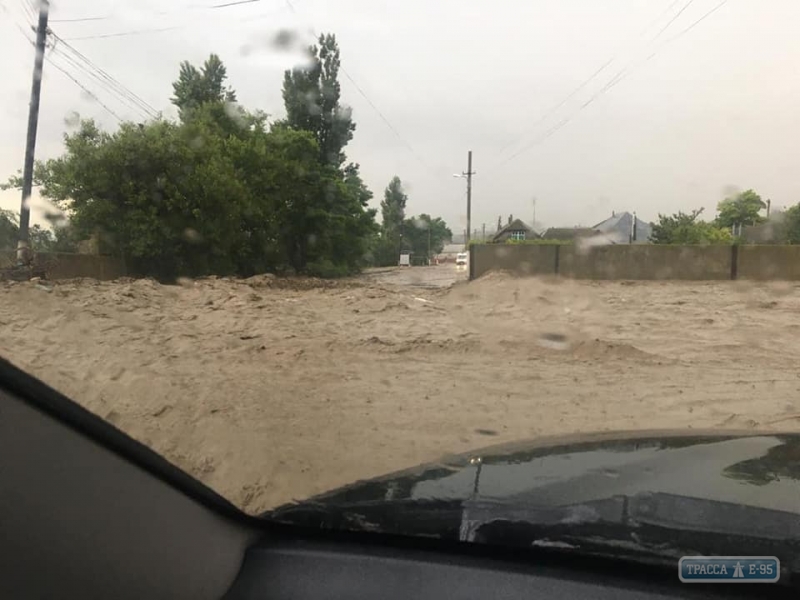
{"type": "Point", "coordinates": [769, 262]}
{"type": "Point", "coordinates": [645, 262]}
{"type": "Point", "coordinates": [69, 266]}
{"type": "Point", "coordinates": [520, 259]}
{"type": "Point", "coordinates": [640, 261]}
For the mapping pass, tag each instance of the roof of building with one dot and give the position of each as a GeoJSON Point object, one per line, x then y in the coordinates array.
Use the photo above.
{"type": "Point", "coordinates": [619, 227]}
{"type": "Point", "coordinates": [515, 225]}
{"type": "Point", "coordinates": [566, 233]}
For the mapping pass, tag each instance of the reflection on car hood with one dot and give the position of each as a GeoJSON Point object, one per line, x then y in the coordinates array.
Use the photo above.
{"type": "Point", "coordinates": [724, 485]}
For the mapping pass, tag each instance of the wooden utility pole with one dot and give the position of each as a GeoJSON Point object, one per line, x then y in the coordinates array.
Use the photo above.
{"type": "Point", "coordinates": [23, 244]}
{"type": "Point", "coordinates": [468, 174]}
{"type": "Point", "coordinates": [469, 194]}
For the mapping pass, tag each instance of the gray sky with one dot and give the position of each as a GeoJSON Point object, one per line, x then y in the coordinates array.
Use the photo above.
{"type": "Point", "coordinates": [713, 110]}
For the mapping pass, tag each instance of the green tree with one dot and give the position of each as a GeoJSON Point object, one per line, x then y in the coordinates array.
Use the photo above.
{"type": "Point", "coordinates": [312, 100]}
{"type": "Point", "coordinates": [9, 229]}
{"type": "Point", "coordinates": [425, 236]}
{"type": "Point", "coordinates": [742, 209]}
{"type": "Point", "coordinates": [393, 207]}
{"type": "Point", "coordinates": [789, 225]}
{"type": "Point", "coordinates": [169, 204]}
{"type": "Point", "coordinates": [218, 192]}
{"type": "Point", "coordinates": [196, 87]}
{"type": "Point", "coordinates": [59, 239]}
{"type": "Point", "coordinates": [682, 228]}
{"type": "Point", "coordinates": [393, 211]}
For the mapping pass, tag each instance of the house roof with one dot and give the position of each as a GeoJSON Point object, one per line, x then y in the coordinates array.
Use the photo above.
{"type": "Point", "coordinates": [515, 225]}
{"type": "Point", "coordinates": [566, 233]}
{"type": "Point", "coordinates": [619, 226]}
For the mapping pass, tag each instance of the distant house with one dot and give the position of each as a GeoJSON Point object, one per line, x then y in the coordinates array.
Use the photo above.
{"type": "Point", "coordinates": [624, 228]}
{"type": "Point", "coordinates": [566, 234]}
{"type": "Point", "coordinates": [515, 230]}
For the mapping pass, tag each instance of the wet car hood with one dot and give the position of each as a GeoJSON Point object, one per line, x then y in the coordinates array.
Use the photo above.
{"type": "Point", "coordinates": [615, 486]}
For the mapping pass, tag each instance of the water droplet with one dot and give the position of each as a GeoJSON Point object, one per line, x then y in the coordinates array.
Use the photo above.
{"type": "Point", "coordinates": [72, 119]}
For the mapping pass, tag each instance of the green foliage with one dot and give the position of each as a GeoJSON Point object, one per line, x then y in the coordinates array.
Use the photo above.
{"type": "Point", "coordinates": [790, 225]}
{"type": "Point", "coordinates": [425, 236]}
{"type": "Point", "coordinates": [217, 192]}
{"type": "Point", "coordinates": [9, 228]}
{"type": "Point", "coordinates": [399, 234]}
{"type": "Point", "coordinates": [742, 209]}
{"type": "Point", "coordinates": [393, 206]}
{"type": "Point", "coordinates": [60, 239]}
{"type": "Point", "coordinates": [197, 87]}
{"type": "Point", "coordinates": [682, 228]}
{"type": "Point", "coordinates": [311, 97]}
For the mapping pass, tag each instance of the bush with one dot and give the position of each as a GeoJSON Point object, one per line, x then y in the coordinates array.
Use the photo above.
{"type": "Point", "coordinates": [325, 269]}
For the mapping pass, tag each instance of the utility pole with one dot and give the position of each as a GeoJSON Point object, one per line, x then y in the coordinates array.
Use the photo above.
{"type": "Point", "coordinates": [23, 244]}
{"type": "Point", "coordinates": [483, 232]}
{"type": "Point", "coordinates": [469, 175]}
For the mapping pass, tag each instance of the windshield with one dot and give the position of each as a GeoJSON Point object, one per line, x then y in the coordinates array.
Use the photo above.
{"type": "Point", "coordinates": [294, 245]}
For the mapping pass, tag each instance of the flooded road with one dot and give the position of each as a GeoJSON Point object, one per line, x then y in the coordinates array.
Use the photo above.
{"type": "Point", "coordinates": [271, 389]}
{"type": "Point", "coordinates": [440, 276]}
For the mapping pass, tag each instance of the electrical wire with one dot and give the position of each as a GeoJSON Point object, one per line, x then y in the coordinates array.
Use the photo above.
{"type": "Point", "coordinates": [114, 83]}
{"type": "Point", "coordinates": [29, 11]}
{"type": "Point", "coordinates": [19, 27]}
{"type": "Point", "coordinates": [121, 34]}
{"type": "Point", "coordinates": [372, 105]}
{"type": "Point", "coordinates": [236, 3]}
{"type": "Point", "coordinates": [102, 83]}
{"type": "Point", "coordinates": [83, 87]}
{"type": "Point", "coordinates": [80, 20]}
{"type": "Point", "coordinates": [551, 111]}
{"type": "Point", "coordinates": [617, 78]}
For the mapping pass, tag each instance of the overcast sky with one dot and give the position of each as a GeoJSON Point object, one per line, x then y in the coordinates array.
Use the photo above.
{"type": "Point", "coordinates": [714, 109]}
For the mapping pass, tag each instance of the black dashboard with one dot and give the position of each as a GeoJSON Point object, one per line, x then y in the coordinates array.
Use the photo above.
{"type": "Point", "coordinates": [313, 569]}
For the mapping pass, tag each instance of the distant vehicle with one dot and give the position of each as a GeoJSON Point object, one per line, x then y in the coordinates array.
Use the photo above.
{"type": "Point", "coordinates": [405, 260]}
{"type": "Point", "coordinates": [461, 258]}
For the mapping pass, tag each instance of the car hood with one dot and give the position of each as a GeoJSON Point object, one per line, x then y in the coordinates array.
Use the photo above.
{"type": "Point", "coordinates": [737, 485]}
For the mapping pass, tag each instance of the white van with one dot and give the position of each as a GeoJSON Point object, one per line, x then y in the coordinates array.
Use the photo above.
{"type": "Point", "coordinates": [461, 258]}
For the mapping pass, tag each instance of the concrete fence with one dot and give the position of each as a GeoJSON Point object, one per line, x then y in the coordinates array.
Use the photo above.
{"type": "Point", "coordinates": [639, 261]}
{"type": "Point", "coordinates": [69, 266]}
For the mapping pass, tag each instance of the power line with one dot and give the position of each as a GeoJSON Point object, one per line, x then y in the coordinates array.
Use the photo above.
{"type": "Point", "coordinates": [80, 20]}
{"type": "Point", "coordinates": [83, 87]}
{"type": "Point", "coordinates": [236, 3]}
{"type": "Point", "coordinates": [111, 80]}
{"type": "Point", "coordinates": [120, 34]}
{"type": "Point", "coordinates": [29, 10]}
{"type": "Point", "coordinates": [591, 78]}
{"type": "Point", "coordinates": [617, 78]}
{"type": "Point", "coordinates": [19, 27]}
{"type": "Point", "coordinates": [99, 80]}
{"type": "Point", "coordinates": [621, 75]}
{"type": "Point", "coordinates": [160, 13]}
{"type": "Point", "coordinates": [697, 22]}
{"type": "Point", "coordinates": [374, 107]}
{"type": "Point", "coordinates": [566, 99]}
{"type": "Point", "coordinates": [675, 18]}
